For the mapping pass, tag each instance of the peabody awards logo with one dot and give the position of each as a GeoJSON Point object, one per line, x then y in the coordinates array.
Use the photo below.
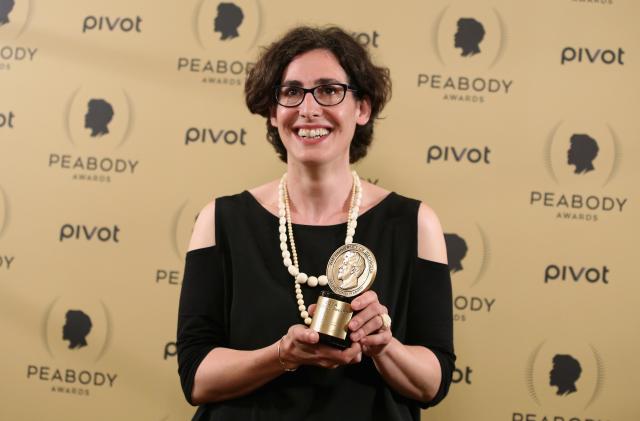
{"type": "Point", "coordinates": [228, 32]}
{"type": "Point", "coordinates": [6, 259]}
{"type": "Point", "coordinates": [14, 19]}
{"type": "Point", "coordinates": [179, 233]}
{"type": "Point", "coordinates": [563, 378]}
{"type": "Point", "coordinates": [468, 257]}
{"type": "Point", "coordinates": [582, 158]}
{"type": "Point", "coordinates": [98, 123]}
{"type": "Point", "coordinates": [472, 39]}
{"type": "Point", "coordinates": [76, 335]}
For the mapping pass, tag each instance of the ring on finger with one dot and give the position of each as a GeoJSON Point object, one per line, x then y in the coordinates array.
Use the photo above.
{"type": "Point", "coordinates": [386, 321]}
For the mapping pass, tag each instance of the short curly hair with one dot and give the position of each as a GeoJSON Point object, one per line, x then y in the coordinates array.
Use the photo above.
{"type": "Point", "coordinates": [372, 82]}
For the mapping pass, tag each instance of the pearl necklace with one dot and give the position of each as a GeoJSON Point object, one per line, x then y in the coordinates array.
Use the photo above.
{"type": "Point", "coordinates": [284, 213]}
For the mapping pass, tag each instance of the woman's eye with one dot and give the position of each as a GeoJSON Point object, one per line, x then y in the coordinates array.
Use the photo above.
{"type": "Point", "coordinates": [328, 90]}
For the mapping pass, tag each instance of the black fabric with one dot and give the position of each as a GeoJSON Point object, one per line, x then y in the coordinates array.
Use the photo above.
{"type": "Point", "coordinates": [238, 294]}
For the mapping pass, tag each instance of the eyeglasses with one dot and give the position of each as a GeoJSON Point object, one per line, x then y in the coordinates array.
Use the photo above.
{"type": "Point", "coordinates": [327, 95]}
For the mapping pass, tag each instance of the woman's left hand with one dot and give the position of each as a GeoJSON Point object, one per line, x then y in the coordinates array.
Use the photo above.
{"type": "Point", "coordinates": [367, 324]}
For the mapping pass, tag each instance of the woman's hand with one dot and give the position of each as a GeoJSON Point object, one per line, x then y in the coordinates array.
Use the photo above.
{"type": "Point", "coordinates": [367, 325]}
{"type": "Point", "coordinates": [301, 346]}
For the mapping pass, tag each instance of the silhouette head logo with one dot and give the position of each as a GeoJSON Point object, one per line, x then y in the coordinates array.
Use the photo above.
{"type": "Point", "coordinates": [564, 374]}
{"type": "Point", "coordinates": [98, 116]}
{"type": "Point", "coordinates": [456, 251]}
{"type": "Point", "coordinates": [469, 36]}
{"type": "Point", "coordinates": [582, 152]}
{"type": "Point", "coordinates": [76, 328]}
{"type": "Point", "coordinates": [6, 6]}
{"type": "Point", "coordinates": [228, 20]}
{"type": "Point", "coordinates": [351, 268]}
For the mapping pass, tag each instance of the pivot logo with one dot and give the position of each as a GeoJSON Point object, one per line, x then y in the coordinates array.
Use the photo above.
{"type": "Point", "coordinates": [85, 326]}
{"type": "Point", "coordinates": [83, 232]}
{"type": "Point", "coordinates": [462, 375]}
{"type": "Point", "coordinates": [215, 136]}
{"type": "Point", "coordinates": [367, 39]}
{"type": "Point", "coordinates": [583, 156]}
{"type": "Point", "coordinates": [566, 374]}
{"type": "Point", "coordinates": [98, 121]}
{"type": "Point", "coordinates": [586, 55]}
{"type": "Point", "coordinates": [231, 29]}
{"type": "Point", "coordinates": [227, 21]}
{"type": "Point", "coordinates": [470, 37]}
{"type": "Point", "coordinates": [6, 260]}
{"type": "Point", "coordinates": [14, 19]}
{"type": "Point", "coordinates": [170, 350]}
{"type": "Point", "coordinates": [6, 120]}
{"type": "Point", "coordinates": [458, 154]}
{"type": "Point", "coordinates": [106, 23]}
{"type": "Point", "coordinates": [569, 274]}
{"type": "Point", "coordinates": [468, 257]}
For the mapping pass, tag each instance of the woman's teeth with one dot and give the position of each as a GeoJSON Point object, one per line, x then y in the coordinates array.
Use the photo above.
{"type": "Point", "coordinates": [312, 133]}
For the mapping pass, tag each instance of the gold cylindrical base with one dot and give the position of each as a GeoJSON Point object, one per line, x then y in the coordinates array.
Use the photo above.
{"type": "Point", "coordinates": [330, 319]}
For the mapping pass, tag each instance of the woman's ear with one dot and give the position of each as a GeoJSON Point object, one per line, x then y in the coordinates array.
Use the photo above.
{"type": "Point", "coordinates": [363, 113]}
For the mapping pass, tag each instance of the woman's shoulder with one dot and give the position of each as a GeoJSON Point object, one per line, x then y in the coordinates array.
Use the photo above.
{"type": "Point", "coordinates": [431, 245]}
{"type": "Point", "coordinates": [203, 234]}
{"type": "Point", "coordinates": [204, 229]}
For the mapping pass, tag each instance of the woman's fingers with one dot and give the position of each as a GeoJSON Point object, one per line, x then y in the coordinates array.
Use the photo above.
{"type": "Point", "coordinates": [303, 334]}
{"type": "Point", "coordinates": [367, 321]}
{"type": "Point", "coordinates": [364, 300]}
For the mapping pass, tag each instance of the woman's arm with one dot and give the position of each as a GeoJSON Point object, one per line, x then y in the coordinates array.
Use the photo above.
{"type": "Point", "coordinates": [413, 371]}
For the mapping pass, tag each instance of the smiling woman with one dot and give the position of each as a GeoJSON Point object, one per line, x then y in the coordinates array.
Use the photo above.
{"type": "Point", "coordinates": [355, 68]}
{"type": "Point", "coordinates": [258, 259]}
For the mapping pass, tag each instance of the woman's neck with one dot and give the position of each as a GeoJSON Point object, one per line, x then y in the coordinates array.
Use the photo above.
{"type": "Point", "coordinates": [319, 195]}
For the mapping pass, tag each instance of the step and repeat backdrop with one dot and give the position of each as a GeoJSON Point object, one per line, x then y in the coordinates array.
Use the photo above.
{"type": "Point", "coordinates": [517, 121]}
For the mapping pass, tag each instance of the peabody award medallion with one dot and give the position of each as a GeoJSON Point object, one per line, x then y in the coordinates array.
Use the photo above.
{"type": "Point", "coordinates": [351, 271]}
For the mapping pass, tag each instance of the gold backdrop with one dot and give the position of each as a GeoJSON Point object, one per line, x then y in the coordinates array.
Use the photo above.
{"type": "Point", "coordinates": [515, 120]}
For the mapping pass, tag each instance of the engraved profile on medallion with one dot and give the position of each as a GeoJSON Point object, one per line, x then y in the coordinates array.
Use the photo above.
{"type": "Point", "coordinates": [98, 117]}
{"type": "Point", "coordinates": [468, 37]}
{"type": "Point", "coordinates": [582, 152]}
{"type": "Point", "coordinates": [228, 21]}
{"type": "Point", "coordinates": [564, 374]}
{"type": "Point", "coordinates": [76, 328]}
{"type": "Point", "coordinates": [6, 6]}
{"type": "Point", "coordinates": [350, 269]}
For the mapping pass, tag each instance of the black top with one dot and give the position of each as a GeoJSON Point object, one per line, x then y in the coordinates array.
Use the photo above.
{"type": "Point", "coordinates": [238, 294]}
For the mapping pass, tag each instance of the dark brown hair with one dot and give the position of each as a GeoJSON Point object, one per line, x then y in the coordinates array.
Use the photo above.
{"type": "Point", "coordinates": [372, 82]}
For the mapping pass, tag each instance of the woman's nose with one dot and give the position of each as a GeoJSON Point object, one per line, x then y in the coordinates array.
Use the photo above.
{"type": "Point", "coordinates": [309, 106]}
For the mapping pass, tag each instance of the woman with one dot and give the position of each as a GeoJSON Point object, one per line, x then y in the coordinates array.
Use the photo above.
{"type": "Point", "coordinates": [256, 260]}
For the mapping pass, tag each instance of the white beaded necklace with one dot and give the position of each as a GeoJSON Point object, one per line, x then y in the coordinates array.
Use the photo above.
{"type": "Point", "coordinates": [284, 212]}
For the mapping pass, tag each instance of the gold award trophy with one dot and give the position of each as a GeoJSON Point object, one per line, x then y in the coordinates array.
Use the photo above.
{"type": "Point", "coordinates": [351, 271]}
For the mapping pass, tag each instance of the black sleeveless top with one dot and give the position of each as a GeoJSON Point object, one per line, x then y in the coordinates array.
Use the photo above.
{"type": "Point", "coordinates": [238, 294]}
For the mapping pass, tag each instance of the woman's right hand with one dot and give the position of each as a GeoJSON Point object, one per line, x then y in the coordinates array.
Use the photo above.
{"type": "Point", "coordinates": [301, 346]}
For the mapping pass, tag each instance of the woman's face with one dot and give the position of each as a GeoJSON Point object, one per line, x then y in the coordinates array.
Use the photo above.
{"type": "Point", "coordinates": [310, 69]}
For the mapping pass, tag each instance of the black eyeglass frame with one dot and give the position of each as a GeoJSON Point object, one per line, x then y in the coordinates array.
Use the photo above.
{"type": "Point", "coordinates": [305, 91]}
